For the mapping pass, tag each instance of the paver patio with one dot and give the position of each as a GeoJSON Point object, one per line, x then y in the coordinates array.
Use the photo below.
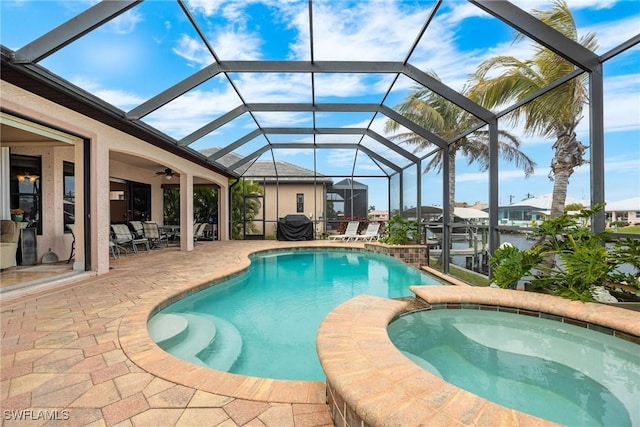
{"type": "Point", "coordinates": [63, 357]}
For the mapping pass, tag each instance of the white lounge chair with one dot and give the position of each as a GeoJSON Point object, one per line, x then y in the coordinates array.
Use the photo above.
{"type": "Point", "coordinates": [349, 233]}
{"type": "Point", "coordinates": [370, 234]}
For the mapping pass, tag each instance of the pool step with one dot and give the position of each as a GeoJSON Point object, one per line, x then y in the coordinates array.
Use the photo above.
{"type": "Point", "coordinates": [423, 364]}
{"type": "Point", "coordinates": [200, 333]}
{"type": "Point", "coordinates": [168, 329]}
{"type": "Point", "coordinates": [198, 338]}
{"type": "Point", "coordinates": [225, 348]}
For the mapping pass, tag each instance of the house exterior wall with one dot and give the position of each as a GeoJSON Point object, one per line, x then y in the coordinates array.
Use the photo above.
{"type": "Point", "coordinates": [103, 140]}
{"type": "Point", "coordinates": [632, 217]}
{"type": "Point", "coordinates": [280, 200]}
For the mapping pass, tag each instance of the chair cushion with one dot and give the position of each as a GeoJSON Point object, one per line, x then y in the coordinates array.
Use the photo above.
{"type": "Point", "coordinates": [9, 231]}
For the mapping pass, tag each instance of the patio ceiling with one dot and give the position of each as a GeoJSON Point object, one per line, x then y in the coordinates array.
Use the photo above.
{"type": "Point", "coordinates": [305, 114]}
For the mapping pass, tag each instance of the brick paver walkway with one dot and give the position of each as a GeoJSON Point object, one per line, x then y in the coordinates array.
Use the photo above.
{"type": "Point", "coordinates": [63, 358]}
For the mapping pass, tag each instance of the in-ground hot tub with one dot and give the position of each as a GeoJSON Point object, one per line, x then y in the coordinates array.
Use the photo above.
{"type": "Point", "coordinates": [369, 380]}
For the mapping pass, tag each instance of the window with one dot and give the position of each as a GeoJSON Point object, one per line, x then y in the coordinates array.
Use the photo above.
{"type": "Point", "coordinates": [25, 188]}
{"type": "Point", "coordinates": [299, 202]}
{"type": "Point", "coordinates": [140, 201]}
{"type": "Point", "coordinates": [69, 198]}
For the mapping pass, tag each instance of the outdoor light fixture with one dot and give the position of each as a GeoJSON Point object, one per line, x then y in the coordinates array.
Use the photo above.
{"type": "Point", "coordinates": [27, 177]}
{"type": "Point", "coordinates": [168, 173]}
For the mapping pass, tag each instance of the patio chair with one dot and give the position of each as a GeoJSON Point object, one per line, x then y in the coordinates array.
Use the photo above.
{"type": "Point", "coordinates": [349, 233]}
{"type": "Point", "coordinates": [370, 234]}
{"type": "Point", "coordinates": [137, 229]}
{"type": "Point", "coordinates": [124, 237]}
{"type": "Point", "coordinates": [154, 235]}
{"type": "Point", "coordinates": [198, 231]}
{"type": "Point", "coordinates": [9, 236]}
{"type": "Point", "coordinates": [116, 249]}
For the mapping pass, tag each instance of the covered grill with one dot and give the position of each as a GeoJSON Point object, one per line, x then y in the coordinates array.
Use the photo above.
{"type": "Point", "coordinates": [295, 227]}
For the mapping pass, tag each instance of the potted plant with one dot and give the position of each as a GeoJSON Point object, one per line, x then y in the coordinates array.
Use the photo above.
{"type": "Point", "coordinates": [17, 214]}
{"type": "Point", "coordinates": [570, 260]}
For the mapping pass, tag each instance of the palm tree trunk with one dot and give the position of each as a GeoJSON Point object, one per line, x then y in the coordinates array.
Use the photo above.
{"type": "Point", "coordinates": [568, 155]}
{"type": "Point", "coordinates": [559, 196]}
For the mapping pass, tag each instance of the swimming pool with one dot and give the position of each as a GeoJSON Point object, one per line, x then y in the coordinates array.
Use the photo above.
{"type": "Point", "coordinates": [263, 322]}
{"type": "Point", "coordinates": [557, 371]}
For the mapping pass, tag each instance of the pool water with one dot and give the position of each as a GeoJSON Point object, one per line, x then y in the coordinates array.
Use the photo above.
{"type": "Point", "coordinates": [553, 370]}
{"type": "Point", "coordinates": [264, 322]}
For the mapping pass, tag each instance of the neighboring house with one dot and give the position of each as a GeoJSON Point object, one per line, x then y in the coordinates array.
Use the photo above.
{"type": "Point", "coordinates": [627, 210]}
{"type": "Point", "coordinates": [472, 215]}
{"type": "Point", "coordinates": [350, 199]}
{"type": "Point", "coordinates": [288, 189]}
{"type": "Point", "coordinates": [530, 211]}
{"type": "Point", "coordinates": [378, 216]}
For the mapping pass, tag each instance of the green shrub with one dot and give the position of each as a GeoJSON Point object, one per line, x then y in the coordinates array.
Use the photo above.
{"type": "Point", "coordinates": [569, 259]}
{"type": "Point", "coordinates": [400, 231]}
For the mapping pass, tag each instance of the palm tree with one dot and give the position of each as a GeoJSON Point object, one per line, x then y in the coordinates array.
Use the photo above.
{"type": "Point", "coordinates": [205, 204]}
{"type": "Point", "coordinates": [244, 210]}
{"type": "Point", "coordinates": [447, 120]}
{"type": "Point", "coordinates": [555, 114]}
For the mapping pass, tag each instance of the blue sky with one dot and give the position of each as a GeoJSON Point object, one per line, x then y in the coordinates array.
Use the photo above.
{"type": "Point", "coordinates": [153, 47]}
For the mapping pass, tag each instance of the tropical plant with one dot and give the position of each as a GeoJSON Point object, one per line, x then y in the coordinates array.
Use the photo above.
{"type": "Point", "coordinates": [554, 114]}
{"type": "Point", "coordinates": [244, 209]}
{"type": "Point", "coordinates": [400, 231]}
{"type": "Point", "coordinates": [171, 205]}
{"type": "Point", "coordinates": [205, 205]}
{"type": "Point", "coordinates": [573, 207]}
{"type": "Point", "coordinates": [584, 261]}
{"type": "Point", "coordinates": [447, 120]}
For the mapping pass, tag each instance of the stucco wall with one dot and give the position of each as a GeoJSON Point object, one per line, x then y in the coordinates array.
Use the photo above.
{"type": "Point", "coordinates": [281, 201]}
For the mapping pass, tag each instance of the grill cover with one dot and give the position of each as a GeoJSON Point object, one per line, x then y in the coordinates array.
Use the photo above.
{"type": "Point", "coordinates": [295, 227]}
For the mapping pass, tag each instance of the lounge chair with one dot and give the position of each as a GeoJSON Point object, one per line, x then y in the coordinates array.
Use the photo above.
{"type": "Point", "coordinates": [9, 236]}
{"type": "Point", "coordinates": [349, 233]}
{"type": "Point", "coordinates": [137, 229]}
{"type": "Point", "coordinates": [116, 249]}
{"type": "Point", "coordinates": [123, 236]}
{"type": "Point", "coordinates": [154, 235]}
{"type": "Point", "coordinates": [370, 234]}
{"type": "Point", "coordinates": [198, 231]}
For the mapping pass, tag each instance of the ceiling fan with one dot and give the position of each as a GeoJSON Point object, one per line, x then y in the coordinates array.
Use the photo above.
{"type": "Point", "coordinates": [168, 173]}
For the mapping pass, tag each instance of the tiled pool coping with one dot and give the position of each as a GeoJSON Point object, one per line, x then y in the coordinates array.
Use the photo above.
{"type": "Point", "coordinates": [370, 382]}
{"type": "Point", "coordinates": [145, 353]}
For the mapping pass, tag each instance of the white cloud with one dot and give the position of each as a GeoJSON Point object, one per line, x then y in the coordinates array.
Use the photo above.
{"type": "Point", "coordinates": [231, 44]}
{"type": "Point", "coordinates": [341, 158]}
{"type": "Point", "coordinates": [623, 164]}
{"type": "Point", "coordinates": [193, 50]}
{"type": "Point", "coordinates": [503, 176]}
{"type": "Point", "coordinates": [206, 7]}
{"type": "Point", "coordinates": [256, 87]}
{"type": "Point", "coordinates": [360, 30]}
{"type": "Point", "coordinates": [125, 23]}
{"type": "Point", "coordinates": [195, 109]}
{"type": "Point", "coordinates": [117, 97]}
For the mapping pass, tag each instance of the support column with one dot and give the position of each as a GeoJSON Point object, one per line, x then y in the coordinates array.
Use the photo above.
{"type": "Point", "coordinates": [5, 188]}
{"type": "Point", "coordinates": [596, 137]}
{"type": "Point", "coordinates": [446, 235]}
{"type": "Point", "coordinates": [186, 211]}
{"type": "Point", "coordinates": [494, 236]}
